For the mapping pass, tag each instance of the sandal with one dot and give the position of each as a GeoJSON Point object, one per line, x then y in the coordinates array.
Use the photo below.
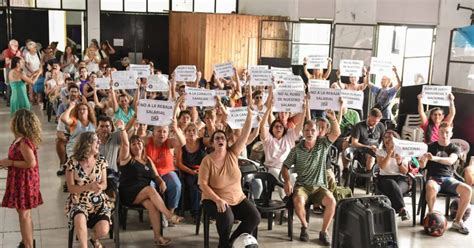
{"type": "Point", "coordinates": [175, 219]}
{"type": "Point", "coordinates": [96, 243]}
{"type": "Point", "coordinates": [162, 242]}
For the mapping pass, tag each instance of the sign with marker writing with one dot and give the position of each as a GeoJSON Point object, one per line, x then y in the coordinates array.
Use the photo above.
{"type": "Point", "coordinates": [142, 71]}
{"type": "Point", "coordinates": [436, 95]}
{"type": "Point", "coordinates": [353, 99]}
{"type": "Point", "coordinates": [351, 68]}
{"type": "Point", "coordinates": [102, 83]}
{"type": "Point", "coordinates": [185, 73]}
{"type": "Point", "coordinates": [154, 112]}
{"type": "Point", "coordinates": [237, 116]}
{"type": "Point", "coordinates": [317, 62]}
{"type": "Point", "coordinates": [292, 82]}
{"type": "Point", "coordinates": [279, 72]}
{"type": "Point", "coordinates": [123, 80]}
{"type": "Point", "coordinates": [157, 82]}
{"type": "Point", "coordinates": [199, 97]}
{"type": "Point", "coordinates": [318, 84]}
{"type": "Point", "coordinates": [381, 66]}
{"type": "Point", "coordinates": [220, 93]}
{"type": "Point", "coordinates": [224, 70]}
{"type": "Point", "coordinates": [323, 99]}
{"type": "Point", "coordinates": [406, 148]}
{"type": "Point", "coordinates": [250, 67]}
{"type": "Point", "coordinates": [261, 77]}
{"type": "Point", "coordinates": [288, 101]}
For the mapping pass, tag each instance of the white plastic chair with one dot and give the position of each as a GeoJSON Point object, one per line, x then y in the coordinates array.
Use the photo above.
{"type": "Point", "coordinates": [465, 147]}
{"type": "Point", "coordinates": [411, 129]}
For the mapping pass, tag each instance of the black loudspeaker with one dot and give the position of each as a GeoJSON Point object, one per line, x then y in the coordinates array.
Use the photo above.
{"type": "Point", "coordinates": [364, 222]}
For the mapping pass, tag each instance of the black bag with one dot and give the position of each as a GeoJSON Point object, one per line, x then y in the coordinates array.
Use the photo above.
{"type": "Point", "coordinates": [365, 222]}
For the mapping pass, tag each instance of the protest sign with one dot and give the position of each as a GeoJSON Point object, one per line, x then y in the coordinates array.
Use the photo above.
{"type": "Point", "coordinates": [436, 95]}
{"type": "Point", "coordinates": [220, 93]}
{"type": "Point", "coordinates": [261, 77]}
{"type": "Point", "coordinates": [407, 149]}
{"type": "Point", "coordinates": [353, 99]}
{"type": "Point", "coordinates": [351, 68]}
{"type": "Point", "coordinates": [318, 84]}
{"type": "Point", "coordinates": [288, 101]}
{"type": "Point", "coordinates": [199, 97]}
{"type": "Point", "coordinates": [123, 80]}
{"type": "Point", "coordinates": [142, 71]}
{"type": "Point", "coordinates": [317, 62]}
{"type": "Point", "coordinates": [292, 82]}
{"type": "Point", "coordinates": [237, 116]}
{"type": "Point", "coordinates": [102, 83]}
{"type": "Point", "coordinates": [279, 72]}
{"type": "Point", "coordinates": [381, 66]}
{"type": "Point", "coordinates": [224, 70]}
{"type": "Point", "coordinates": [323, 99]}
{"type": "Point", "coordinates": [154, 112]}
{"type": "Point", "coordinates": [157, 82]}
{"type": "Point", "coordinates": [185, 73]}
{"type": "Point", "coordinates": [250, 67]}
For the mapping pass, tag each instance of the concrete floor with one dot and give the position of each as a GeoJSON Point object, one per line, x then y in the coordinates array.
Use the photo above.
{"type": "Point", "coordinates": [50, 229]}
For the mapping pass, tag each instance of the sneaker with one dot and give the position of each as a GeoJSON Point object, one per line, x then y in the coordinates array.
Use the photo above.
{"type": "Point", "coordinates": [404, 215]}
{"type": "Point", "coordinates": [61, 171]}
{"type": "Point", "coordinates": [304, 236]}
{"type": "Point", "coordinates": [459, 226]}
{"type": "Point", "coordinates": [324, 238]}
{"type": "Point", "coordinates": [319, 210]}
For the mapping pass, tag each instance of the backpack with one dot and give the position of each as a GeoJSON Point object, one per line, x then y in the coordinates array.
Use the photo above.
{"type": "Point", "coordinates": [342, 193]}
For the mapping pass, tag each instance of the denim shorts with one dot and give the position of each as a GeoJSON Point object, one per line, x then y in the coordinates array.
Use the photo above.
{"type": "Point", "coordinates": [446, 184]}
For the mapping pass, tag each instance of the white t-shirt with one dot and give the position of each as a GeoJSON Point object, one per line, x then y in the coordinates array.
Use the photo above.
{"type": "Point", "coordinates": [92, 66]}
{"type": "Point", "coordinates": [392, 167]}
{"type": "Point", "coordinates": [33, 62]}
{"type": "Point", "coordinates": [276, 150]}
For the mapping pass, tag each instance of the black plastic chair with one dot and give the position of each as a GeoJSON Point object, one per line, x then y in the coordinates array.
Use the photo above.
{"type": "Point", "coordinates": [357, 170]}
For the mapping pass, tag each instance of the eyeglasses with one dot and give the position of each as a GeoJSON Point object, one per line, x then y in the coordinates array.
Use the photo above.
{"type": "Point", "coordinates": [219, 138]}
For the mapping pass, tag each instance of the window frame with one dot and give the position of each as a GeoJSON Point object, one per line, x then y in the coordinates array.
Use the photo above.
{"type": "Point", "coordinates": [450, 60]}
{"type": "Point", "coordinates": [329, 44]}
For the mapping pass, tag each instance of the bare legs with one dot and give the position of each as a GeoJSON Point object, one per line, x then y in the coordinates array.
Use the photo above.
{"type": "Point", "coordinates": [26, 227]}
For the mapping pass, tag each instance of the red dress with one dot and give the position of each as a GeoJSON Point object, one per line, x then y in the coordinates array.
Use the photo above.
{"type": "Point", "coordinates": [23, 185]}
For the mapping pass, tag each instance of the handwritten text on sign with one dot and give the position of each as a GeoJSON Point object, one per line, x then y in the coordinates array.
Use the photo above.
{"type": "Point", "coordinates": [142, 71]}
{"type": "Point", "coordinates": [406, 148]}
{"type": "Point", "coordinates": [323, 99]}
{"type": "Point", "coordinates": [318, 84]}
{"type": "Point", "coordinates": [293, 82]}
{"type": "Point", "coordinates": [279, 72]}
{"type": "Point", "coordinates": [353, 99]}
{"type": "Point", "coordinates": [157, 82]}
{"type": "Point", "coordinates": [381, 66]}
{"type": "Point", "coordinates": [436, 95]}
{"type": "Point", "coordinates": [154, 112]}
{"type": "Point", "coordinates": [261, 77]}
{"type": "Point", "coordinates": [317, 62]}
{"type": "Point", "coordinates": [185, 73]}
{"type": "Point", "coordinates": [351, 68]}
{"type": "Point", "coordinates": [237, 116]}
{"type": "Point", "coordinates": [199, 97]}
{"type": "Point", "coordinates": [102, 83]}
{"type": "Point", "coordinates": [123, 80]}
{"type": "Point", "coordinates": [224, 70]}
{"type": "Point", "coordinates": [288, 101]}
{"type": "Point", "coordinates": [250, 67]}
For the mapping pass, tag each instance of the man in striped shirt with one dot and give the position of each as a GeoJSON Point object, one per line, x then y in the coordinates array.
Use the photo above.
{"type": "Point", "coordinates": [309, 160]}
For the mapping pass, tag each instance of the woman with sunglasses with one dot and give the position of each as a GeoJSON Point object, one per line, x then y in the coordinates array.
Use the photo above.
{"type": "Point", "coordinates": [430, 125]}
{"type": "Point", "coordinates": [391, 180]}
{"type": "Point", "coordinates": [219, 180]}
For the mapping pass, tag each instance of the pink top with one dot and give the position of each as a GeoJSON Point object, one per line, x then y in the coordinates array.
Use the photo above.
{"type": "Point", "coordinates": [276, 150]}
{"type": "Point", "coordinates": [434, 132]}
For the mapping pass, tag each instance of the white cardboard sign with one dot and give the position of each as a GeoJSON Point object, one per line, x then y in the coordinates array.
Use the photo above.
{"type": "Point", "coordinates": [318, 84]}
{"type": "Point", "coordinates": [199, 97]}
{"type": "Point", "coordinates": [279, 72]}
{"type": "Point", "coordinates": [250, 67]}
{"type": "Point", "coordinates": [381, 66]}
{"type": "Point", "coordinates": [143, 71]}
{"type": "Point", "coordinates": [406, 148]}
{"type": "Point", "coordinates": [157, 82]}
{"type": "Point", "coordinates": [237, 116]}
{"type": "Point", "coordinates": [102, 83]}
{"type": "Point", "coordinates": [317, 62]}
{"type": "Point", "coordinates": [185, 73]}
{"type": "Point", "coordinates": [351, 68]}
{"type": "Point", "coordinates": [288, 101]}
{"type": "Point", "coordinates": [353, 99]}
{"type": "Point", "coordinates": [154, 112]}
{"type": "Point", "coordinates": [292, 82]}
{"type": "Point", "coordinates": [224, 70]}
{"type": "Point", "coordinates": [435, 95]}
{"type": "Point", "coordinates": [323, 99]}
{"type": "Point", "coordinates": [261, 77]}
{"type": "Point", "coordinates": [220, 93]}
{"type": "Point", "coordinates": [123, 80]}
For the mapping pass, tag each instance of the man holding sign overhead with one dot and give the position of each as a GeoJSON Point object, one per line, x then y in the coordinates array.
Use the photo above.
{"type": "Point", "coordinates": [384, 94]}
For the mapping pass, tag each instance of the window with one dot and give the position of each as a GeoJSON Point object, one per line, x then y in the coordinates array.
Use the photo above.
{"type": "Point", "coordinates": [53, 4]}
{"type": "Point", "coordinates": [310, 39]}
{"type": "Point", "coordinates": [182, 5]}
{"type": "Point", "coordinates": [276, 39]}
{"type": "Point", "coordinates": [204, 6]}
{"type": "Point", "coordinates": [460, 72]}
{"type": "Point", "coordinates": [135, 5]}
{"type": "Point", "coordinates": [352, 42]}
{"type": "Point", "coordinates": [158, 5]}
{"type": "Point", "coordinates": [74, 4]}
{"type": "Point", "coordinates": [409, 48]}
{"type": "Point", "coordinates": [114, 5]}
{"type": "Point", "coordinates": [226, 6]}
{"type": "Point", "coordinates": [22, 3]}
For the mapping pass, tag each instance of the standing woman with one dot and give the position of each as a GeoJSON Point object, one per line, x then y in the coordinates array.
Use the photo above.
{"type": "Point", "coordinates": [23, 183]}
{"type": "Point", "coordinates": [105, 51]}
{"type": "Point", "coordinates": [19, 97]}
{"type": "Point", "coordinates": [219, 179]}
{"type": "Point", "coordinates": [87, 205]}
{"type": "Point", "coordinates": [69, 61]}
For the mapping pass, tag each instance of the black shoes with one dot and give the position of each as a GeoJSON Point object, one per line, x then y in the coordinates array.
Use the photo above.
{"type": "Point", "coordinates": [304, 236]}
{"type": "Point", "coordinates": [324, 239]}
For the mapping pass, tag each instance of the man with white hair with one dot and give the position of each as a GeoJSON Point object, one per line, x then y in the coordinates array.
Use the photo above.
{"type": "Point", "coordinates": [384, 94]}
{"type": "Point", "coordinates": [7, 55]}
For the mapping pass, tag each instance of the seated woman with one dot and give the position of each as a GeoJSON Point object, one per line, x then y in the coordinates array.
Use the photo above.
{"type": "Point", "coordinates": [391, 181]}
{"type": "Point", "coordinates": [189, 159]}
{"type": "Point", "coordinates": [430, 125]}
{"type": "Point", "coordinates": [86, 177]}
{"type": "Point", "coordinates": [219, 180]}
{"type": "Point", "coordinates": [137, 171]}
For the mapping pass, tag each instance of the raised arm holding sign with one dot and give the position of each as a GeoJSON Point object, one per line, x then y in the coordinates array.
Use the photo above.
{"type": "Point", "coordinates": [322, 99]}
{"type": "Point", "coordinates": [381, 66]}
{"type": "Point", "coordinates": [224, 70]}
{"type": "Point", "coordinates": [317, 62]}
{"type": "Point", "coordinates": [185, 73]}
{"type": "Point", "coordinates": [261, 77]}
{"type": "Point", "coordinates": [123, 80]}
{"type": "Point", "coordinates": [157, 82]}
{"type": "Point", "coordinates": [353, 99]}
{"type": "Point", "coordinates": [154, 112]}
{"type": "Point", "coordinates": [288, 101]}
{"type": "Point", "coordinates": [102, 83]}
{"type": "Point", "coordinates": [436, 95]}
{"type": "Point", "coordinates": [199, 97]}
{"type": "Point", "coordinates": [237, 116]}
{"type": "Point", "coordinates": [351, 68]}
{"type": "Point", "coordinates": [318, 84]}
{"type": "Point", "coordinates": [142, 71]}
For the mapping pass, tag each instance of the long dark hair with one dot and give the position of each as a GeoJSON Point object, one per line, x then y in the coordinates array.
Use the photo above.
{"type": "Point", "coordinates": [431, 124]}
{"type": "Point", "coordinates": [15, 62]}
{"type": "Point", "coordinates": [65, 52]}
{"type": "Point", "coordinates": [285, 129]}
